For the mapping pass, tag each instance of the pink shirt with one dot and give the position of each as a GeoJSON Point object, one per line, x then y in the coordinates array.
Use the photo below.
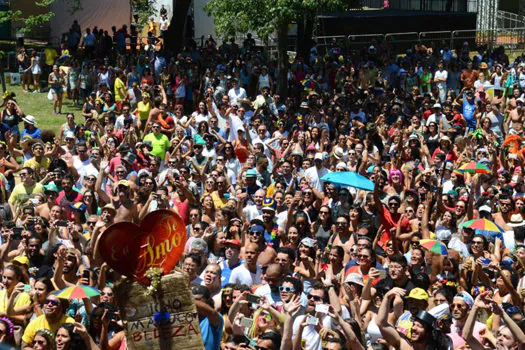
{"type": "Point", "coordinates": [458, 340]}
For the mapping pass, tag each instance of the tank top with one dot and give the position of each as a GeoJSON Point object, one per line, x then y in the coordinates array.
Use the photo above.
{"type": "Point", "coordinates": [10, 120]}
{"type": "Point", "coordinates": [143, 109]}
{"type": "Point", "coordinates": [497, 80]}
{"type": "Point", "coordinates": [264, 81]}
{"type": "Point", "coordinates": [468, 113]}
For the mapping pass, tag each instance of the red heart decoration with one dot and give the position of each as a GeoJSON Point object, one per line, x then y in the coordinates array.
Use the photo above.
{"type": "Point", "coordinates": [158, 242]}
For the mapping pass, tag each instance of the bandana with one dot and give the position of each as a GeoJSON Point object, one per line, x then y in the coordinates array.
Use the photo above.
{"type": "Point", "coordinates": [467, 298]}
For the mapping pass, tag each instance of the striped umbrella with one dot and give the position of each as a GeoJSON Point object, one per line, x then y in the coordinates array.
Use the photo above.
{"type": "Point", "coordinates": [482, 225]}
{"type": "Point", "coordinates": [434, 246]}
{"type": "Point", "coordinates": [475, 168]}
{"type": "Point", "coordinates": [78, 292]}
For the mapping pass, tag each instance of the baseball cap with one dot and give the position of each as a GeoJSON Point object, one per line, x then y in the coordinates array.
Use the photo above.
{"type": "Point", "coordinates": [233, 242]}
{"type": "Point", "coordinates": [69, 135]}
{"type": "Point", "coordinates": [437, 105]}
{"type": "Point", "coordinates": [308, 242]}
{"type": "Point", "coordinates": [319, 156]}
{"type": "Point", "coordinates": [123, 183]}
{"type": "Point", "coordinates": [418, 294]}
{"type": "Point", "coordinates": [485, 208]}
{"type": "Point", "coordinates": [21, 259]}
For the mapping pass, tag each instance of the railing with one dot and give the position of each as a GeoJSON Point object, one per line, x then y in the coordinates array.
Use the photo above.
{"type": "Point", "coordinates": [506, 19]}
{"type": "Point", "coordinates": [509, 38]}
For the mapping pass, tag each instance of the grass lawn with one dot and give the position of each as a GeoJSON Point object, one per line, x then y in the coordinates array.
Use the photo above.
{"type": "Point", "coordinates": [42, 109]}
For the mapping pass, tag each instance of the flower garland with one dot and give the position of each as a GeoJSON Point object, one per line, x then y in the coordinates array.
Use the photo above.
{"type": "Point", "coordinates": [154, 274]}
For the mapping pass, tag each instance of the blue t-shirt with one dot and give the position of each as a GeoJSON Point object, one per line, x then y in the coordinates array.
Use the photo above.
{"type": "Point", "coordinates": [226, 272]}
{"type": "Point", "coordinates": [211, 336]}
{"type": "Point", "coordinates": [36, 133]}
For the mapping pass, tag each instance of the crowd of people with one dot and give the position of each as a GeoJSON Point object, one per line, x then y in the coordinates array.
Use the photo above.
{"type": "Point", "coordinates": [276, 257]}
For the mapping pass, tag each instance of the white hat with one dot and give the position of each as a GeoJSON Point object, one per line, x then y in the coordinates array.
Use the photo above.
{"type": "Point", "coordinates": [516, 220]}
{"type": "Point", "coordinates": [318, 155]}
{"type": "Point", "coordinates": [341, 165]}
{"type": "Point", "coordinates": [485, 208]}
{"type": "Point", "coordinates": [436, 105]}
{"type": "Point", "coordinates": [29, 119]}
{"type": "Point", "coordinates": [69, 135]}
{"type": "Point", "coordinates": [354, 278]}
{"type": "Point", "coordinates": [338, 152]}
{"type": "Point", "coordinates": [440, 311]}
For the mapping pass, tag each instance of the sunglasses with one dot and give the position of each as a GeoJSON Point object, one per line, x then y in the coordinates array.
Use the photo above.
{"type": "Point", "coordinates": [314, 297]}
{"type": "Point", "coordinates": [287, 289]}
{"type": "Point", "coordinates": [52, 302]}
{"type": "Point", "coordinates": [109, 294]}
{"type": "Point", "coordinates": [255, 233]}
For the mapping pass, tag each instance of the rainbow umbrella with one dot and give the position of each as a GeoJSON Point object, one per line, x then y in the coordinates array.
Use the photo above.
{"type": "Point", "coordinates": [475, 168]}
{"type": "Point", "coordinates": [434, 246]}
{"type": "Point", "coordinates": [482, 225]}
{"type": "Point", "coordinates": [310, 84]}
{"type": "Point", "coordinates": [78, 292]}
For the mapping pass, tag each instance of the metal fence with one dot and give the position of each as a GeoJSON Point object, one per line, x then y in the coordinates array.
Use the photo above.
{"type": "Point", "coordinates": [510, 38]}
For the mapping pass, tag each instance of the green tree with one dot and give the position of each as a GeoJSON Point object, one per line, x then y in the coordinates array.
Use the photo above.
{"type": "Point", "coordinates": [34, 21]}
{"type": "Point", "coordinates": [267, 18]}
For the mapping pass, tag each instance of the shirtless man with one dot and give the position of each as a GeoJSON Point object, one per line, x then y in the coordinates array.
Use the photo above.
{"type": "Point", "coordinates": [256, 236]}
{"type": "Point", "coordinates": [107, 218]}
{"type": "Point", "coordinates": [507, 208]}
{"type": "Point", "coordinates": [126, 210]}
{"type": "Point", "coordinates": [342, 236]}
{"type": "Point", "coordinates": [515, 120]}
{"type": "Point", "coordinates": [44, 209]}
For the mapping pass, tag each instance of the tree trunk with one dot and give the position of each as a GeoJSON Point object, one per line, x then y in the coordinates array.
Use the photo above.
{"type": "Point", "coordinates": [282, 64]}
{"type": "Point", "coordinates": [300, 34]}
{"type": "Point", "coordinates": [307, 40]}
{"type": "Point", "coordinates": [175, 36]}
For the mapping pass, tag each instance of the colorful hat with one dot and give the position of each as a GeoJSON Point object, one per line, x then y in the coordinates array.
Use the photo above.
{"type": "Point", "coordinates": [78, 206]}
{"type": "Point", "coordinates": [269, 204]}
{"type": "Point", "coordinates": [418, 294]}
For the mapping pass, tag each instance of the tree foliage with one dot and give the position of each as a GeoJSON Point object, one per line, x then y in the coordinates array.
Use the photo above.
{"type": "Point", "coordinates": [145, 9]}
{"type": "Point", "coordinates": [32, 21]}
{"type": "Point", "coordinates": [263, 17]}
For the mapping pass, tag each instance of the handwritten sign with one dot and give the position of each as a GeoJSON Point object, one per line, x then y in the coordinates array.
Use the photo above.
{"type": "Point", "coordinates": [180, 331]}
{"type": "Point", "coordinates": [158, 242]}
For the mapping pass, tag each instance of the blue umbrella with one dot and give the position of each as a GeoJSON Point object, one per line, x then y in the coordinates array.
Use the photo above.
{"type": "Point", "coordinates": [349, 178]}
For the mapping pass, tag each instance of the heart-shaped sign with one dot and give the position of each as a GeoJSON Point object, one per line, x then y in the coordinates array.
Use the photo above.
{"type": "Point", "coordinates": [158, 242]}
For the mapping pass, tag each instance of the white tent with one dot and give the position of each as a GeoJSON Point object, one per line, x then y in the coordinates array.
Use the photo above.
{"type": "Point", "coordinates": [101, 13]}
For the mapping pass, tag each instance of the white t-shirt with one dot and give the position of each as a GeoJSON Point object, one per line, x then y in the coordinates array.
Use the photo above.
{"type": "Point", "coordinates": [241, 275]}
{"type": "Point", "coordinates": [315, 176]}
{"type": "Point", "coordinates": [236, 94]}
{"type": "Point", "coordinates": [251, 212]}
{"type": "Point", "coordinates": [164, 24]}
{"type": "Point", "coordinates": [313, 340]}
{"type": "Point", "coordinates": [441, 75]}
